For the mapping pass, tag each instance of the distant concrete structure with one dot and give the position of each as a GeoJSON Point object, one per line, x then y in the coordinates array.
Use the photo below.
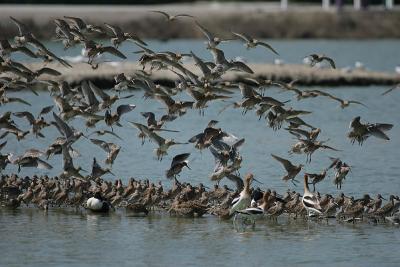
{"type": "Point", "coordinates": [284, 4]}
{"type": "Point", "coordinates": [389, 4]}
{"type": "Point", "coordinates": [326, 4]}
{"type": "Point", "coordinates": [357, 4]}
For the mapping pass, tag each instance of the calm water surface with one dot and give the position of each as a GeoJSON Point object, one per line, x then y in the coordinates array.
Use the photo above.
{"type": "Point", "coordinates": [66, 238]}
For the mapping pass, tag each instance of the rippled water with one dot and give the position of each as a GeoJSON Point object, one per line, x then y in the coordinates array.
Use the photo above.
{"type": "Point", "coordinates": [31, 237]}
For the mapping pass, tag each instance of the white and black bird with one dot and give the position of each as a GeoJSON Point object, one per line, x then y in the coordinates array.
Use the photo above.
{"type": "Point", "coordinates": [310, 200]}
{"type": "Point", "coordinates": [97, 203]}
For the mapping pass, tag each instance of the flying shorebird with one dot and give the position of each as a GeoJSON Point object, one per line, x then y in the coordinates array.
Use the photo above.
{"type": "Point", "coordinates": [6, 49]}
{"type": "Point", "coordinates": [119, 36]}
{"type": "Point", "coordinates": [291, 169]}
{"type": "Point", "coordinates": [70, 134]}
{"type": "Point", "coordinates": [153, 124]}
{"type": "Point", "coordinates": [114, 118]}
{"type": "Point", "coordinates": [80, 25]}
{"type": "Point", "coordinates": [37, 124]}
{"type": "Point", "coordinates": [315, 58]}
{"type": "Point", "coordinates": [25, 36]}
{"type": "Point", "coordinates": [207, 136]}
{"type": "Point", "coordinates": [301, 94]}
{"type": "Point", "coordinates": [174, 107]}
{"type": "Point", "coordinates": [111, 149]}
{"type": "Point", "coordinates": [69, 36]}
{"type": "Point", "coordinates": [163, 144]}
{"type": "Point", "coordinates": [311, 135]}
{"type": "Point", "coordinates": [213, 40]}
{"type": "Point", "coordinates": [94, 50]}
{"type": "Point", "coordinates": [90, 102]}
{"type": "Point", "coordinates": [30, 159]}
{"type": "Point", "coordinates": [171, 17]}
{"type": "Point", "coordinates": [308, 147]}
{"type": "Point", "coordinates": [177, 164]}
{"type": "Point", "coordinates": [56, 148]}
{"type": "Point", "coordinates": [343, 103]}
{"type": "Point", "coordinates": [397, 86]}
{"type": "Point", "coordinates": [69, 169]}
{"type": "Point", "coordinates": [251, 42]}
{"type": "Point", "coordinates": [108, 100]}
{"type": "Point", "coordinates": [316, 177]}
{"type": "Point", "coordinates": [98, 171]}
{"type": "Point", "coordinates": [341, 171]}
{"type": "Point", "coordinates": [103, 132]}
{"type": "Point", "coordinates": [360, 131]}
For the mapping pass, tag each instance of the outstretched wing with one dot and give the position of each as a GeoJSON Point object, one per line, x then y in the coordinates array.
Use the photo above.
{"type": "Point", "coordinates": [357, 102]}
{"type": "Point", "coordinates": [244, 37]}
{"type": "Point", "coordinates": [100, 93]}
{"type": "Point", "coordinates": [162, 13]}
{"type": "Point", "coordinates": [104, 145]}
{"type": "Point", "coordinates": [114, 51]}
{"type": "Point", "coordinates": [45, 110]}
{"type": "Point", "coordinates": [115, 29]}
{"type": "Point", "coordinates": [286, 163]}
{"type": "Point", "coordinates": [209, 36]}
{"type": "Point", "coordinates": [27, 115]}
{"type": "Point", "coordinates": [268, 46]}
{"type": "Point", "coordinates": [391, 89]}
{"type": "Point", "coordinates": [22, 28]}
{"type": "Point", "coordinates": [179, 158]}
{"type": "Point", "coordinates": [331, 62]}
{"type": "Point", "coordinates": [122, 109]}
{"type": "Point", "coordinates": [62, 126]}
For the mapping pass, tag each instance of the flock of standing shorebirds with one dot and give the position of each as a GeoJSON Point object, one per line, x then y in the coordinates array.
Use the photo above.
{"type": "Point", "coordinates": [75, 189]}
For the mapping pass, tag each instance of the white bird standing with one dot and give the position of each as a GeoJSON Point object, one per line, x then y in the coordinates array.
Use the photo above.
{"type": "Point", "coordinates": [243, 201]}
{"type": "Point", "coordinates": [310, 201]}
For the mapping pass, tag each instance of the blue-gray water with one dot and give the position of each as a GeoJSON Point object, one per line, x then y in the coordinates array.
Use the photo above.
{"type": "Point", "coordinates": [31, 237]}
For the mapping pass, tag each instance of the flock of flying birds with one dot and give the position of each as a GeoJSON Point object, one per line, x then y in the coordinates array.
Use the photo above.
{"type": "Point", "coordinates": [94, 105]}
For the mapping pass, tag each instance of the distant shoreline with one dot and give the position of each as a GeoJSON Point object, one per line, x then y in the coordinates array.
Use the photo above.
{"type": "Point", "coordinates": [262, 20]}
{"type": "Point", "coordinates": [305, 75]}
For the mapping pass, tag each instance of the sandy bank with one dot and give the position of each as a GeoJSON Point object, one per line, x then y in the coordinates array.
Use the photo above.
{"type": "Point", "coordinates": [304, 74]}
{"type": "Point", "coordinates": [263, 20]}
